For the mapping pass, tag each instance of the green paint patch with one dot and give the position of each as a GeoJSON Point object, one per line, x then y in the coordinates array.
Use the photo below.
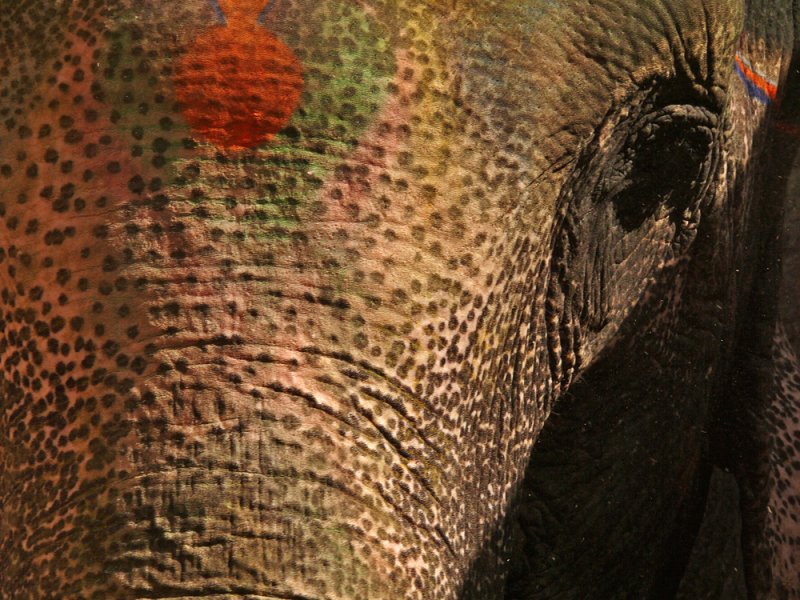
{"type": "Point", "coordinates": [130, 79]}
{"type": "Point", "coordinates": [348, 64]}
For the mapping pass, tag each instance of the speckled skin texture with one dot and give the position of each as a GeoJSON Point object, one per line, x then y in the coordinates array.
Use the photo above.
{"type": "Point", "coordinates": [778, 535]}
{"type": "Point", "coordinates": [316, 367]}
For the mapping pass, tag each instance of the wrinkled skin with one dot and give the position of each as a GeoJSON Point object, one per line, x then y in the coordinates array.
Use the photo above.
{"type": "Point", "coordinates": [316, 368]}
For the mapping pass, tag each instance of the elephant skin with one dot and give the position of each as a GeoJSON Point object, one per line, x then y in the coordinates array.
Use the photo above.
{"type": "Point", "coordinates": [290, 289]}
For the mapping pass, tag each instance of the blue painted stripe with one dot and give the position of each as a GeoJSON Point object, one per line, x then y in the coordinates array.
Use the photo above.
{"type": "Point", "coordinates": [218, 11]}
{"type": "Point", "coordinates": [752, 89]}
{"type": "Point", "coordinates": [262, 17]}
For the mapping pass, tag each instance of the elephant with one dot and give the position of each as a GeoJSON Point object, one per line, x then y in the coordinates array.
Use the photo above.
{"type": "Point", "coordinates": [425, 299]}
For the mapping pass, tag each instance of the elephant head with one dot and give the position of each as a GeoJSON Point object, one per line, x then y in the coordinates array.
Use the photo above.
{"type": "Point", "coordinates": [290, 288]}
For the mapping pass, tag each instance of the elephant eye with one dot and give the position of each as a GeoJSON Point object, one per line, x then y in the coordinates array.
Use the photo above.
{"type": "Point", "coordinates": [664, 165]}
{"type": "Point", "coordinates": [634, 201]}
{"type": "Point", "coordinates": [659, 160]}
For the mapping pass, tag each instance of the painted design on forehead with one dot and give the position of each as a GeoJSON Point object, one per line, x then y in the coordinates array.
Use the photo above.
{"type": "Point", "coordinates": [348, 68]}
{"type": "Point", "coordinates": [238, 85]}
{"type": "Point", "coordinates": [759, 86]}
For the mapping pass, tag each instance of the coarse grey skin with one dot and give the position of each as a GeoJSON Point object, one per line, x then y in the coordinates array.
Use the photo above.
{"type": "Point", "coordinates": [317, 368]}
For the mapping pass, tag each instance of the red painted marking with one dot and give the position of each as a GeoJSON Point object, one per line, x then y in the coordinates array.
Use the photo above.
{"type": "Point", "coordinates": [237, 84]}
{"type": "Point", "coordinates": [769, 88]}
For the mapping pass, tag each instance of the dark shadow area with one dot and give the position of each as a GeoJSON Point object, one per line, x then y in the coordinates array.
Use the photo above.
{"type": "Point", "coordinates": [616, 487]}
{"type": "Point", "coordinates": [621, 499]}
{"type": "Point", "coordinates": [715, 570]}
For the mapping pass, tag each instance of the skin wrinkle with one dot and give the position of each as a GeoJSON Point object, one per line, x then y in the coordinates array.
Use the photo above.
{"type": "Point", "coordinates": [423, 180]}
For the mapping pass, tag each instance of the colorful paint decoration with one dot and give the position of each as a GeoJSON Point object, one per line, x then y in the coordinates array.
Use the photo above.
{"type": "Point", "coordinates": [348, 65]}
{"type": "Point", "coordinates": [238, 85]}
{"type": "Point", "coordinates": [759, 86]}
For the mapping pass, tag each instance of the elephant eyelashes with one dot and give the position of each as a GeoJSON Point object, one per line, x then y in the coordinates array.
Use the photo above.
{"type": "Point", "coordinates": [665, 164]}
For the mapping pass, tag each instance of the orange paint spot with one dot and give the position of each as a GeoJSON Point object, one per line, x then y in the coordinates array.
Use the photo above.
{"type": "Point", "coordinates": [237, 84]}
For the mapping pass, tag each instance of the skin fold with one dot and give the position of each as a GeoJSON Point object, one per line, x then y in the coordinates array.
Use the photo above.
{"type": "Point", "coordinates": [289, 292]}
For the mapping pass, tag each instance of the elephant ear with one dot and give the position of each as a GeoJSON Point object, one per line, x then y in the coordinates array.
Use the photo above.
{"type": "Point", "coordinates": [769, 469]}
{"type": "Point", "coordinates": [771, 482]}
{"type": "Point", "coordinates": [766, 381]}
{"type": "Point", "coordinates": [788, 305]}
